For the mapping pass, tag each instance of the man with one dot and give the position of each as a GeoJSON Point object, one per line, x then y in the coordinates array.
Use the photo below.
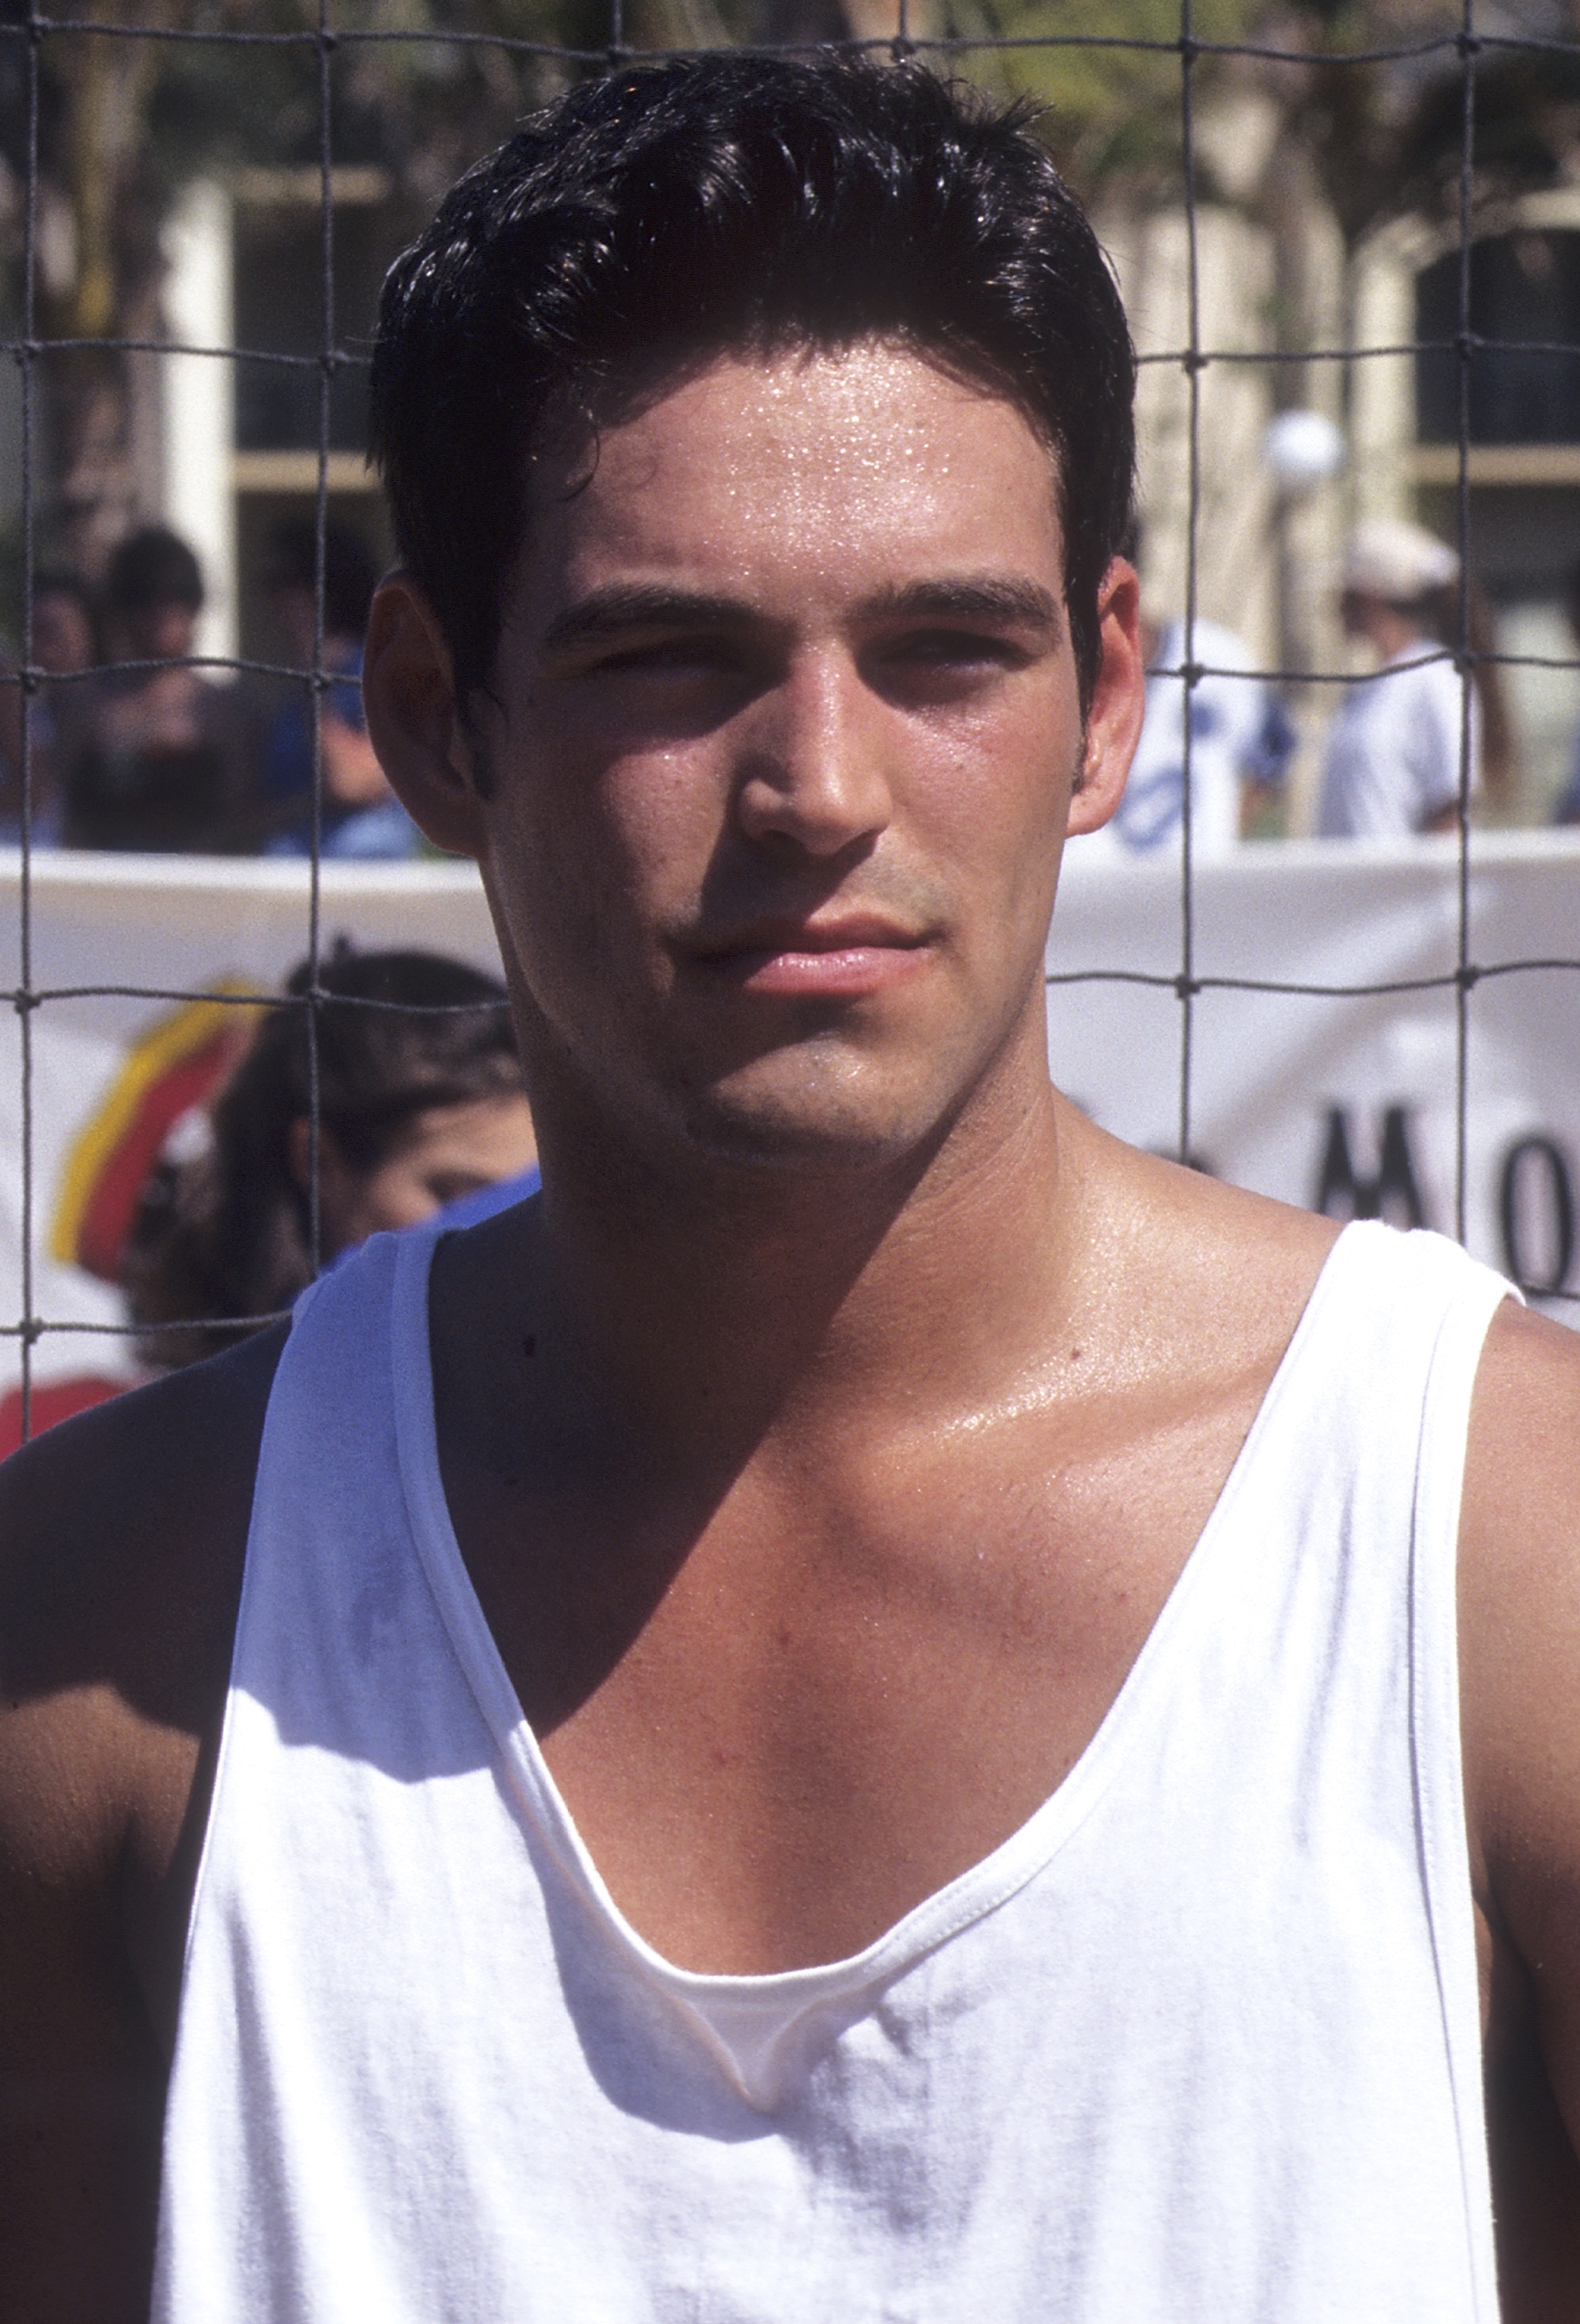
{"type": "Point", "coordinates": [856, 1712]}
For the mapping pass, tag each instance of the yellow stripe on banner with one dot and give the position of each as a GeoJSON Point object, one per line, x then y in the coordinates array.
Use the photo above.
{"type": "Point", "coordinates": [166, 1042]}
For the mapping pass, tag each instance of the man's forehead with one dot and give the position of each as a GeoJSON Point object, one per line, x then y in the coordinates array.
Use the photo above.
{"type": "Point", "coordinates": [875, 438]}
{"type": "Point", "coordinates": [867, 361]}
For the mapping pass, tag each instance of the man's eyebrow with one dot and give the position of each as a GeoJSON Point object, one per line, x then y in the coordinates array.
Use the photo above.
{"type": "Point", "coordinates": [971, 597]}
{"type": "Point", "coordinates": [612, 612]}
{"type": "Point", "coordinates": [615, 611]}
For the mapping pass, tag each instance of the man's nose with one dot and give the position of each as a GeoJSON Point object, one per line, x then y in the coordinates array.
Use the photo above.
{"type": "Point", "coordinates": [813, 758]}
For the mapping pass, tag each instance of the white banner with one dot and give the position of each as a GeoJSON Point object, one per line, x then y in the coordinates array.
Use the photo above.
{"type": "Point", "coordinates": [1343, 1101]}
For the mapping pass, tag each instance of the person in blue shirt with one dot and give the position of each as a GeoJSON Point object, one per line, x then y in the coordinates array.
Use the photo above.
{"type": "Point", "coordinates": [362, 819]}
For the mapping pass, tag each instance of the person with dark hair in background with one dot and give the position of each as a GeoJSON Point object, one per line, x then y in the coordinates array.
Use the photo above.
{"type": "Point", "coordinates": [361, 817]}
{"type": "Point", "coordinates": [63, 642]}
{"type": "Point", "coordinates": [419, 1106]}
{"type": "Point", "coordinates": [154, 759]}
{"type": "Point", "coordinates": [876, 1705]}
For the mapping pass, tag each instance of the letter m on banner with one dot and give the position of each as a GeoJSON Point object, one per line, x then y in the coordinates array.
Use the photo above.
{"type": "Point", "coordinates": [1395, 1192]}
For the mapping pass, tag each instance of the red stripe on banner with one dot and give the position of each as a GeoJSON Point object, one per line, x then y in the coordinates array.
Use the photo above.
{"type": "Point", "coordinates": [55, 1401]}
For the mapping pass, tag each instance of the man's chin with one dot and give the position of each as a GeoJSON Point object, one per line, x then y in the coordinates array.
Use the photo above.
{"type": "Point", "coordinates": [812, 1135]}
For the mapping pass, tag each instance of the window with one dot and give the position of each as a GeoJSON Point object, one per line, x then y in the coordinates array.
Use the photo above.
{"type": "Point", "coordinates": [1525, 293]}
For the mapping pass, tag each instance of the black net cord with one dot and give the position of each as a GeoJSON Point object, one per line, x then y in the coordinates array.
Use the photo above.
{"type": "Point", "coordinates": [1461, 988]}
{"type": "Point", "coordinates": [326, 61]}
{"type": "Point", "coordinates": [1192, 360]}
{"type": "Point", "coordinates": [25, 1000]}
{"type": "Point", "coordinates": [1466, 47]}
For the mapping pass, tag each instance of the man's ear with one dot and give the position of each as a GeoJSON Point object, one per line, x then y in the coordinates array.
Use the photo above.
{"type": "Point", "coordinates": [413, 721]}
{"type": "Point", "coordinates": [1113, 725]}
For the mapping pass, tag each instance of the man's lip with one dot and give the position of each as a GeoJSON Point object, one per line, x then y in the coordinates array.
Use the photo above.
{"type": "Point", "coordinates": [766, 939]}
{"type": "Point", "coordinates": [847, 959]}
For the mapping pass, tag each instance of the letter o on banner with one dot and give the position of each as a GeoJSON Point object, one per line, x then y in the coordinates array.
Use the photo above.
{"type": "Point", "coordinates": [1536, 1208]}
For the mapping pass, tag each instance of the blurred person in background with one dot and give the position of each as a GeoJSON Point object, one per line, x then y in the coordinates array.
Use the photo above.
{"type": "Point", "coordinates": [1241, 741]}
{"type": "Point", "coordinates": [361, 818]}
{"type": "Point", "coordinates": [63, 643]}
{"type": "Point", "coordinates": [1393, 764]}
{"type": "Point", "coordinates": [153, 758]}
{"type": "Point", "coordinates": [420, 1105]}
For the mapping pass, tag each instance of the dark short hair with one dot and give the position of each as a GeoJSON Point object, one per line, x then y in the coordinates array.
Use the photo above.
{"type": "Point", "coordinates": [153, 566]}
{"type": "Point", "coordinates": [226, 1234]}
{"type": "Point", "coordinates": [60, 581]}
{"type": "Point", "coordinates": [351, 572]}
{"type": "Point", "coordinates": [737, 201]}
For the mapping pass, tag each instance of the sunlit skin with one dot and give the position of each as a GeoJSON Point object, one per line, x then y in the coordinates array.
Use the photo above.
{"type": "Point", "coordinates": [441, 1154]}
{"type": "Point", "coordinates": [783, 743]}
{"type": "Point", "coordinates": [795, 677]}
{"type": "Point", "coordinates": [824, 1441]}
{"type": "Point", "coordinates": [977, 1304]}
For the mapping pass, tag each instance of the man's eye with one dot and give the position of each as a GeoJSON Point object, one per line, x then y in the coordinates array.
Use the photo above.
{"type": "Point", "coordinates": [954, 649]}
{"type": "Point", "coordinates": [665, 656]}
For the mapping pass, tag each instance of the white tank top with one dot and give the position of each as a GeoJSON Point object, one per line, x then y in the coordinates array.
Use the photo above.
{"type": "Point", "coordinates": [1197, 2044]}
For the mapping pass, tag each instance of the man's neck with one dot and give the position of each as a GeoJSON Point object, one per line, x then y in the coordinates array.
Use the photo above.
{"type": "Point", "coordinates": [802, 1305]}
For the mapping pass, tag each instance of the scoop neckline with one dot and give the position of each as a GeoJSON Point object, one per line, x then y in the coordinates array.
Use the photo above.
{"type": "Point", "coordinates": [971, 1893]}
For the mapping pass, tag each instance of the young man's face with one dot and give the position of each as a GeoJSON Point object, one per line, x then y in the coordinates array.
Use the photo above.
{"type": "Point", "coordinates": [788, 727]}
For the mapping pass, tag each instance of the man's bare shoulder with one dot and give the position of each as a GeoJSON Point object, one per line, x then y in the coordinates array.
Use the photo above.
{"type": "Point", "coordinates": [1218, 1223]}
{"type": "Point", "coordinates": [123, 1535]}
{"type": "Point", "coordinates": [1519, 1572]}
{"type": "Point", "coordinates": [1214, 1276]}
{"type": "Point", "coordinates": [1520, 1665]}
{"type": "Point", "coordinates": [1520, 1609]}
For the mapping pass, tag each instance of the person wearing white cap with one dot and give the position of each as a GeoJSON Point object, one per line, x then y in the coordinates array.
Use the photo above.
{"type": "Point", "coordinates": [1395, 748]}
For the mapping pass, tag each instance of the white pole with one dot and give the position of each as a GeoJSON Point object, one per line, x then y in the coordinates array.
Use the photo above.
{"type": "Point", "coordinates": [199, 401]}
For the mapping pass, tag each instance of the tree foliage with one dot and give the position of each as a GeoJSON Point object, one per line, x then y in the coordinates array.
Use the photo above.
{"type": "Point", "coordinates": [419, 88]}
{"type": "Point", "coordinates": [1111, 79]}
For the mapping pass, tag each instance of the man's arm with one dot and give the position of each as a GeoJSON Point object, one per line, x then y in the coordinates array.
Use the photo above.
{"type": "Point", "coordinates": [122, 1539]}
{"type": "Point", "coordinates": [1520, 1652]}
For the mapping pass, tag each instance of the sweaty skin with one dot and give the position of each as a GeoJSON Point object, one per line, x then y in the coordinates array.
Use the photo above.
{"type": "Point", "coordinates": [843, 1372]}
